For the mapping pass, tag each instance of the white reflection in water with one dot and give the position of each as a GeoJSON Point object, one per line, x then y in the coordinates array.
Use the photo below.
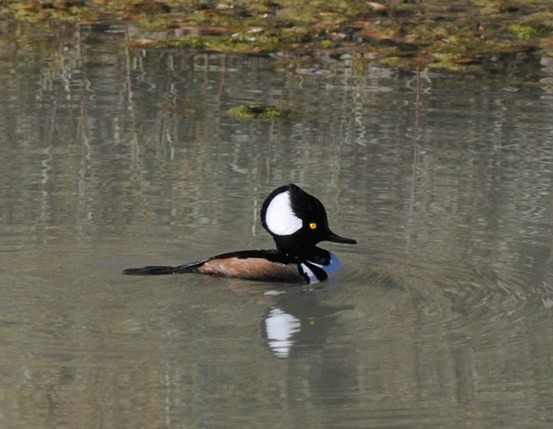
{"type": "Point", "coordinates": [281, 327]}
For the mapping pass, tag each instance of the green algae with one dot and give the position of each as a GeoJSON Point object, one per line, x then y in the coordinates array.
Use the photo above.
{"type": "Point", "coordinates": [257, 111]}
{"type": "Point", "coordinates": [327, 44]}
{"type": "Point", "coordinates": [523, 31]}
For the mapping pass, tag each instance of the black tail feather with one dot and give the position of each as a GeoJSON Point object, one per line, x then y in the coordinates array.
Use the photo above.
{"type": "Point", "coordinates": [150, 271]}
{"type": "Point", "coordinates": [158, 270]}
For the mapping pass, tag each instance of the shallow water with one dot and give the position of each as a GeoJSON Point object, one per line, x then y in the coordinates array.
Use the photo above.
{"type": "Point", "coordinates": [442, 316]}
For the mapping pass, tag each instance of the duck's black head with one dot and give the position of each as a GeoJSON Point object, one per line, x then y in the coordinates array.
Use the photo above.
{"type": "Point", "coordinates": [297, 220]}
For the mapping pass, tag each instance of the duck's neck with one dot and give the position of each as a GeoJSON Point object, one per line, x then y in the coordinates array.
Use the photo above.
{"type": "Point", "coordinates": [312, 253]}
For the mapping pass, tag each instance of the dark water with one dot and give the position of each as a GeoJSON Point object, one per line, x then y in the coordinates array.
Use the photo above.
{"type": "Point", "coordinates": [111, 158]}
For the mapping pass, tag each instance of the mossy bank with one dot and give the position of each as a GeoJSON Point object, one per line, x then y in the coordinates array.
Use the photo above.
{"type": "Point", "coordinates": [458, 36]}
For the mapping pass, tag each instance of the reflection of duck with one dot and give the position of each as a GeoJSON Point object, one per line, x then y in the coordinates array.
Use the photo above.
{"type": "Point", "coordinates": [297, 221]}
{"type": "Point", "coordinates": [298, 322]}
{"type": "Point", "coordinates": [280, 327]}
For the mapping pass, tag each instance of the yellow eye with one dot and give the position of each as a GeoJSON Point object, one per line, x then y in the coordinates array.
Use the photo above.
{"type": "Point", "coordinates": [313, 225]}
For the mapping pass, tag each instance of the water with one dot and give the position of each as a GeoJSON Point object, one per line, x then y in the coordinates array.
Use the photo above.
{"type": "Point", "coordinates": [442, 316]}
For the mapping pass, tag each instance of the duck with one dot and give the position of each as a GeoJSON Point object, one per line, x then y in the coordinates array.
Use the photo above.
{"type": "Point", "coordinates": [297, 222]}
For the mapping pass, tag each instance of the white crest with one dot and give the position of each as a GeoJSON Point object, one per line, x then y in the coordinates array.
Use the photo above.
{"type": "Point", "coordinates": [280, 218]}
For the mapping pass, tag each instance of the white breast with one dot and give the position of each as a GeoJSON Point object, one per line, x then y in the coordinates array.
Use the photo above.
{"type": "Point", "coordinates": [332, 268]}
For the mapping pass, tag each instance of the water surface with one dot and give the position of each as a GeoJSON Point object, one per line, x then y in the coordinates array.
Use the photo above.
{"type": "Point", "coordinates": [442, 316]}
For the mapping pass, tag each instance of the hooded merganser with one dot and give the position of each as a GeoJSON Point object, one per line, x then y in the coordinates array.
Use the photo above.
{"type": "Point", "coordinates": [297, 221]}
